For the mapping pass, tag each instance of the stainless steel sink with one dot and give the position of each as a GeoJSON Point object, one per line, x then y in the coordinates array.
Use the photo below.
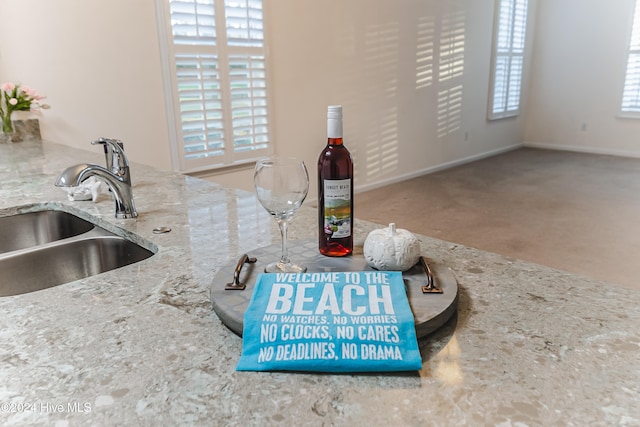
{"type": "Point", "coordinates": [61, 249]}
{"type": "Point", "coordinates": [37, 228]}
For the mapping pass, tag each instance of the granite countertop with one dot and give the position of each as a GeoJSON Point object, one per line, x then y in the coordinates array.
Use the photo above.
{"type": "Point", "coordinates": [140, 345]}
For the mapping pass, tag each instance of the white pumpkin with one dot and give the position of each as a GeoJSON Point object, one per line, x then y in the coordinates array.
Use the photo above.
{"type": "Point", "coordinates": [391, 249]}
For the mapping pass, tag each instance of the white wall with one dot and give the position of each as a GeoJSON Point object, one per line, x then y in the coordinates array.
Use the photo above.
{"type": "Point", "coordinates": [578, 70]}
{"type": "Point", "coordinates": [366, 56]}
{"type": "Point", "coordinates": [100, 68]}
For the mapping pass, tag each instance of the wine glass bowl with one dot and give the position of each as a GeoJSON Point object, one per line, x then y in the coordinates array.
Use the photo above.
{"type": "Point", "coordinates": [281, 186]}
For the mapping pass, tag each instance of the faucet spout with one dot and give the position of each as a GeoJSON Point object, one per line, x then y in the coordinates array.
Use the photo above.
{"type": "Point", "coordinates": [120, 185]}
{"type": "Point", "coordinates": [116, 175]}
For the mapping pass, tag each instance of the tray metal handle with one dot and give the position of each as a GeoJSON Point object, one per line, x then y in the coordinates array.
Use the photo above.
{"type": "Point", "coordinates": [431, 287]}
{"type": "Point", "coordinates": [236, 285]}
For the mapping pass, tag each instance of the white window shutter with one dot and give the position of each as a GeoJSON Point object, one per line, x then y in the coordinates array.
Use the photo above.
{"type": "Point", "coordinates": [244, 22]}
{"type": "Point", "coordinates": [218, 57]}
{"type": "Point", "coordinates": [193, 22]}
{"type": "Point", "coordinates": [508, 58]}
{"type": "Point", "coordinates": [631, 95]}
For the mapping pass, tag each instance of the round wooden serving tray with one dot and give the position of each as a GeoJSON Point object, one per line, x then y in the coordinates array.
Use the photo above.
{"type": "Point", "coordinates": [430, 310]}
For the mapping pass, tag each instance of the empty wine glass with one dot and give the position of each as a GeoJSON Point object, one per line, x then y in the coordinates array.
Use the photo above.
{"type": "Point", "coordinates": [281, 186]}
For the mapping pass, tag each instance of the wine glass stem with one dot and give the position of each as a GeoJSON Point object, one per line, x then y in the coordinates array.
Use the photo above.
{"type": "Point", "coordinates": [284, 259]}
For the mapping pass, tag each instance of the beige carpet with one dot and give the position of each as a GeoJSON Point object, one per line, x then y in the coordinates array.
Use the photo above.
{"type": "Point", "coordinates": [572, 211]}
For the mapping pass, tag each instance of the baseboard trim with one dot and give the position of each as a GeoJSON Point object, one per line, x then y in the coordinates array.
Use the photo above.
{"type": "Point", "coordinates": [436, 168]}
{"type": "Point", "coordinates": [579, 149]}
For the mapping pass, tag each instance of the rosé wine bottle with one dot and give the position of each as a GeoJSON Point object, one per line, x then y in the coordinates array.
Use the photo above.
{"type": "Point", "coordinates": [335, 191]}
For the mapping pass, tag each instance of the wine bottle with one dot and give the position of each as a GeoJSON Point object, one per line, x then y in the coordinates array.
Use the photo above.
{"type": "Point", "coordinates": [335, 190]}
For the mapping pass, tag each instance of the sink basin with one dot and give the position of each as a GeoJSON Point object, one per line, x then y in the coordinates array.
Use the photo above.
{"type": "Point", "coordinates": [50, 248]}
{"type": "Point", "coordinates": [66, 262]}
{"type": "Point", "coordinates": [37, 228]}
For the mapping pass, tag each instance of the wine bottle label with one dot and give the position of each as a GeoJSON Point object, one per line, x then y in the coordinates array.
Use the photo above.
{"type": "Point", "coordinates": [337, 208]}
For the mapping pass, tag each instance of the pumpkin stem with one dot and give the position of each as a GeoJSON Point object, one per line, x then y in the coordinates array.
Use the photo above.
{"type": "Point", "coordinates": [392, 228]}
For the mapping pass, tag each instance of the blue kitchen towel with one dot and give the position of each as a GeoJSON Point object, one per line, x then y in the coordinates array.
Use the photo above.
{"type": "Point", "coordinates": [330, 322]}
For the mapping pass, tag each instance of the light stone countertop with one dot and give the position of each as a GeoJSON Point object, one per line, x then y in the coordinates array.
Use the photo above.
{"type": "Point", "coordinates": [141, 346]}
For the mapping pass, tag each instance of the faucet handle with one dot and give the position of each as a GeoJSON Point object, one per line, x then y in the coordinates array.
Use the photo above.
{"type": "Point", "coordinates": [114, 154]}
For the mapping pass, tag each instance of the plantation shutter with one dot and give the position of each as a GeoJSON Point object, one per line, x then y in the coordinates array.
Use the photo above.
{"type": "Point", "coordinates": [631, 95]}
{"type": "Point", "coordinates": [220, 86]}
{"type": "Point", "coordinates": [508, 58]}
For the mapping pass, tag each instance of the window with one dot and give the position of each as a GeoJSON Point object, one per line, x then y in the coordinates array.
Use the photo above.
{"type": "Point", "coordinates": [216, 69]}
{"type": "Point", "coordinates": [508, 58]}
{"type": "Point", "coordinates": [631, 95]}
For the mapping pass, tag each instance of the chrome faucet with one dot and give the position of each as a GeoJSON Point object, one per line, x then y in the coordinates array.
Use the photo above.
{"type": "Point", "coordinates": [116, 175]}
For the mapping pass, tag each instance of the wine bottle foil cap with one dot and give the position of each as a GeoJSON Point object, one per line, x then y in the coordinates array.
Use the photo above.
{"type": "Point", "coordinates": [334, 112]}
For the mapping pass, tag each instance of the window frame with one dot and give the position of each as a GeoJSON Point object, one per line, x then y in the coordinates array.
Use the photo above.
{"type": "Point", "coordinates": [632, 51]}
{"type": "Point", "coordinates": [506, 111]}
{"type": "Point", "coordinates": [230, 158]}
